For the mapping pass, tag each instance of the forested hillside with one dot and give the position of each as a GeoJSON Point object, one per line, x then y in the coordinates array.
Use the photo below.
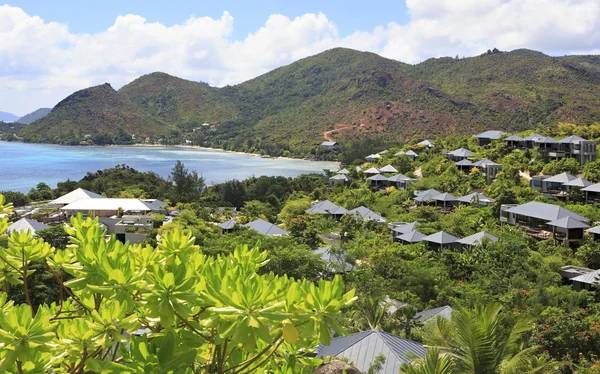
{"type": "Point", "coordinates": [34, 116]}
{"type": "Point", "coordinates": [341, 95]}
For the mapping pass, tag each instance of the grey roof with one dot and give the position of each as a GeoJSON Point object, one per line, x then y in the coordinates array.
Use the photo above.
{"type": "Point", "coordinates": [426, 143]}
{"type": "Point", "coordinates": [343, 171]}
{"type": "Point", "coordinates": [406, 228]}
{"type": "Point", "coordinates": [75, 195]}
{"type": "Point", "coordinates": [490, 134]}
{"type": "Point", "coordinates": [592, 188]}
{"type": "Point", "coordinates": [571, 139]}
{"type": "Point", "coordinates": [388, 169]}
{"type": "Point", "coordinates": [266, 228]}
{"type": "Point", "coordinates": [543, 211]}
{"type": "Point", "coordinates": [533, 137]}
{"type": "Point", "coordinates": [463, 162]}
{"type": "Point", "coordinates": [336, 261]}
{"type": "Point", "coordinates": [476, 239]}
{"type": "Point", "coordinates": [594, 230]}
{"type": "Point", "coordinates": [446, 196]}
{"type": "Point", "coordinates": [440, 237]}
{"type": "Point", "coordinates": [546, 139]}
{"type": "Point", "coordinates": [588, 278]}
{"type": "Point", "coordinates": [378, 177]}
{"type": "Point", "coordinates": [560, 178]}
{"type": "Point", "coordinates": [412, 237]}
{"type": "Point", "coordinates": [411, 153]}
{"type": "Point", "coordinates": [401, 153]}
{"type": "Point", "coordinates": [228, 225]}
{"type": "Point", "coordinates": [485, 162]}
{"type": "Point", "coordinates": [326, 207]}
{"type": "Point", "coordinates": [514, 138]}
{"type": "Point", "coordinates": [366, 214]}
{"type": "Point", "coordinates": [579, 182]}
{"type": "Point", "coordinates": [475, 196]}
{"type": "Point", "coordinates": [328, 144]}
{"type": "Point", "coordinates": [26, 224]}
{"type": "Point", "coordinates": [383, 152]}
{"type": "Point", "coordinates": [399, 178]}
{"type": "Point", "coordinates": [443, 311]}
{"type": "Point", "coordinates": [371, 171]}
{"type": "Point", "coordinates": [155, 204]}
{"type": "Point", "coordinates": [373, 157]}
{"type": "Point", "coordinates": [426, 195]}
{"type": "Point", "coordinates": [461, 152]}
{"type": "Point", "coordinates": [362, 348]}
{"type": "Point", "coordinates": [339, 177]}
{"type": "Point", "coordinates": [568, 223]}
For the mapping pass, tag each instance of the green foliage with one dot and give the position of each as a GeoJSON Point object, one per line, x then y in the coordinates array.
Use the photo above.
{"type": "Point", "coordinates": [565, 165]}
{"type": "Point", "coordinates": [188, 186]}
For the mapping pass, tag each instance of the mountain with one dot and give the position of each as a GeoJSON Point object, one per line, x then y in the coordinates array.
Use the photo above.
{"type": "Point", "coordinates": [344, 95]}
{"type": "Point", "coordinates": [100, 112]}
{"type": "Point", "coordinates": [34, 116]}
{"type": "Point", "coordinates": [8, 117]}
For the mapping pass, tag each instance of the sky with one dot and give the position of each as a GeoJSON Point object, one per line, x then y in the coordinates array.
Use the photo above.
{"type": "Point", "coordinates": [49, 49]}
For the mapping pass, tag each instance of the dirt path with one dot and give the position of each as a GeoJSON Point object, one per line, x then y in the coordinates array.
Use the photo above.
{"type": "Point", "coordinates": [327, 134]}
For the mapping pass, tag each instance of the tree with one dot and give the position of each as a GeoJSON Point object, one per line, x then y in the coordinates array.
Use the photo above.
{"type": "Point", "coordinates": [15, 198]}
{"type": "Point", "coordinates": [189, 186]}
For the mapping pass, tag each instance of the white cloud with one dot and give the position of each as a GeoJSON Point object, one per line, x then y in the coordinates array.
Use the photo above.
{"type": "Point", "coordinates": [42, 62]}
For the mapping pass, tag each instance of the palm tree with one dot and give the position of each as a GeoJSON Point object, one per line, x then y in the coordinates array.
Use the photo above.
{"type": "Point", "coordinates": [481, 341]}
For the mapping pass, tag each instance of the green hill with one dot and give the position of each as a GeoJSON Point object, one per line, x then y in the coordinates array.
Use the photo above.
{"type": "Point", "coordinates": [341, 94]}
{"type": "Point", "coordinates": [34, 116]}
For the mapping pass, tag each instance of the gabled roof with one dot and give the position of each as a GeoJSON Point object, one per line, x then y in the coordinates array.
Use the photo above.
{"type": "Point", "coordinates": [266, 228]}
{"type": "Point", "coordinates": [399, 178]}
{"type": "Point", "coordinates": [543, 211]}
{"type": "Point", "coordinates": [546, 139]}
{"type": "Point", "coordinates": [594, 230]}
{"type": "Point", "coordinates": [446, 196]}
{"type": "Point", "coordinates": [371, 171]}
{"type": "Point", "coordinates": [592, 188]}
{"type": "Point", "coordinates": [362, 348]}
{"type": "Point", "coordinates": [401, 153]}
{"type": "Point", "coordinates": [490, 134]}
{"type": "Point", "coordinates": [383, 152]}
{"type": "Point", "coordinates": [560, 178]}
{"type": "Point", "coordinates": [443, 311]}
{"type": "Point", "coordinates": [378, 177]}
{"type": "Point", "coordinates": [484, 163]}
{"type": "Point", "coordinates": [463, 162]}
{"type": "Point", "coordinates": [475, 196]}
{"type": "Point", "coordinates": [336, 261]}
{"type": "Point", "coordinates": [476, 239]}
{"type": "Point", "coordinates": [388, 169]}
{"type": "Point", "coordinates": [105, 204]}
{"type": "Point", "coordinates": [533, 137]}
{"type": "Point", "coordinates": [343, 171]}
{"type": "Point", "coordinates": [514, 138]}
{"type": "Point", "coordinates": [366, 214]}
{"type": "Point", "coordinates": [426, 143]}
{"type": "Point", "coordinates": [412, 237]}
{"type": "Point", "coordinates": [579, 182]}
{"type": "Point", "coordinates": [440, 237]}
{"type": "Point", "coordinates": [411, 153]}
{"type": "Point", "coordinates": [75, 195]}
{"type": "Point", "coordinates": [26, 224]}
{"type": "Point", "coordinates": [339, 177]}
{"type": "Point", "coordinates": [568, 223]}
{"type": "Point", "coordinates": [587, 278]}
{"type": "Point", "coordinates": [571, 139]}
{"type": "Point", "coordinates": [405, 229]}
{"type": "Point", "coordinates": [373, 156]}
{"type": "Point", "coordinates": [426, 195]}
{"type": "Point", "coordinates": [461, 152]}
{"type": "Point", "coordinates": [228, 225]}
{"type": "Point", "coordinates": [326, 207]}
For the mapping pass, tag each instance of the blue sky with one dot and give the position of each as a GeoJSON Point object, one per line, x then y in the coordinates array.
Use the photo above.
{"type": "Point", "coordinates": [95, 16]}
{"type": "Point", "coordinates": [50, 49]}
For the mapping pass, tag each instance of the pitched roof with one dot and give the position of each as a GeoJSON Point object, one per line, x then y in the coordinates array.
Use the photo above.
{"type": "Point", "coordinates": [26, 224]}
{"type": "Point", "coordinates": [514, 138]}
{"type": "Point", "coordinates": [383, 152]}
{"type": "Point", "coordinates": [461, 152]}
{"type": "Point", "coordinates": [579, 182]}
{"type": "Point", "coordinates": [343, 171]}
{"type": "Point", "coordinates": [440, 237]}
{"type": "Point", "coordinates": [568, 223]}
{"type": "Point", "coordinates": [412, 237]}
{"type": "Point", "coordinates": [373, 156]}
{"type": "Point", "coordinates": [266, 228]}
{"type": "Point", "coordinates": [594, 230]}
{"type": "Point", "coordinates": [371, 171]}
{"type": "Point", "coordinates": [588, 278]}
{"type": "Point", "coordinates": [326, 207]}
{"type": "Point", "coordinates": [490, 134]}
{"type": "Point", "coordinates": [106, 204]}
{"type": "Point", "coordinates": [426, 143]}
{"type": "Point", "coordinates": [406, 228]}
{"type": "Point", "coordinates": [401, 153]}
{"type": "Point", "coordinates": [399, 178]}
{"type": "Point", "coordinates": [533, 137]}
{"type": "Point", "coordinates": [228, 225]}
{"type": "Point", "coordinates": [411, 153]}
{"type": "Point", "coordinates": [545, 139]}
{"type": "Point", "coordinates": [484, 163]}
{"type": "Point", "coordinates": [328, 144]}
{"type": "Point", "coordinates": [560, 178]}
{"type": "Point", "coordinates": [543, 211]}
{"type": "Point", "coordinates": [388, 169]}
{"type": "Point", "coordinates": [443, 311]}
{"type": "Point", "coordinates": [75, 195]}
{"type": "Point", "coordinates": [339, 177]}
{"type": "Point", "coordinates": [571, 139]}
{"type": "Point", "coordinates": [475, 196]}
{"type": "Point", "coordinates": [155, 204]}
{"type": "Point", "coordinates": [426, 195]}
{"type": "Point", "coordinates": [446, 196]}
{"type": "Point", "coordinates": [463, 162]}
{"type": "Point", "coordinates": [592, 188]}
{"type": "Point", "coordinates": [377, 177]}
{"type": "Point", "coordinates": [362, 348]}
{"type": "Point", "coordinates": [476, 239]}
{"type": "Point", "coordinates": [366, 214]}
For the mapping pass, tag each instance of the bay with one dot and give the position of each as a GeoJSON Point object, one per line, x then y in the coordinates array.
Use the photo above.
{"type": "Point", "coordinates": [22, 165]}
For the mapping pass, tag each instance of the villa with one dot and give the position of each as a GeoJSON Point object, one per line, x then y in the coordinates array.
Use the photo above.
{"type": "Point", "coordinates": [266, 228]}
{"type": "Point", "coordinates": [487, 137]}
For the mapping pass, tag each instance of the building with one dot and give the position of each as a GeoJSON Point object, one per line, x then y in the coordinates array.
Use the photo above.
{"type": "Point", "coordinates": [488, 168]}
{"type": "Point", "coordinates": [373, 157]}
{"type": "Point", "coordinates": [427, 143]}
{"type": "Point", "coordinates": [388, 169]}
{"type": "Point", "coordinates": [378, 181]}
{"type": "Point", "coordinates": [105, 207]}
{"type": "Point", "coordinates": [342, 178]}
{"type": "Point", "coordinates": [459, 154]}
{"type": "Point", "coordinates": [329, 145]}
{"type": "Point", "coordinates": [266, 228]}
{"type": "Point", "coordinates": [326, 207]}
{"type": "Point", "coordinates": [430, 314]}
{"type": "Point", "coordinates": [476, 239]}
{"type": "Point", "coordinates": [441, 239]}
{"type": "Point", "coordinates": [476, 198]}
{"type": "Point", "coordinates": [75, 195]}
{"type": "Point", "coordinates": [425, 196]}
{"type": "Point", "coordinates": [367, 214]}
{"type": "Point", "coordinates": [487, 137]}
{"type": "Point", "coordinates": [592, 193]}
{"type": "Point", "coordinates": [581, 278]}
{"type": "Point", "coordinates": [410, 154]}
{"type": "Point", "coordinates": [26, 224]}
{"type": "Point", "coordinates": [362, 348]}
{"type": "Point", "coordinates": [400, 181]}
{"type": "Point", "coordinates": [410, 237]}
{"type": "Point", "coordinates": [336, 261]}
{"type": "Point", "coordinates": [571, 146]}
{"type": "Point", "coordinates": [132, 229]}
{"type": "Point", "coordinates": [227, 226]}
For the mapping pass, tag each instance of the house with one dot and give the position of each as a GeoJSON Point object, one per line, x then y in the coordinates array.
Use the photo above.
{"type": "Point", "coordinates": [515, 142]}
{"type": "Point", "coordinates": [581, 278]}
{"type": "Point", "coordinates": [336, 262]}
{"type": "Point", "coordinates": [383, 152]}
{"type": "Point", "coordinates": [371, 171]}
{"type": "Point", "coordinates": [402, 227]}
{"type": "Point", "coordinates": [227, 226]}
{"type": "Point", "coordinates": [388, 169]}
{"type": "Point", "coordinates": [535, 217]}
{"type": "Point", "coordinates": [343, 171]}
{"type": "Point", "coordinates": [574, 146]}
{"type": "Point", "coordinates": [367, 214]}
{"type": "Point", "coordinates": [488, 168]}
{"type": "Point", "coordinates": [476, 239]}
{"type": "Point", "coordinates": [425, 196]}
{"type": "Point", "coordinates": [75, 195]}
{"type": "Point", "coordinates": [446, 198]}
{"type": "Point", "coordinates": [378, 180]}
{"type": "Point", "coordinates": [431, 314]}
{"type": "Point", "coordinates": [427, 143]}
{"type": "Point", "coordinates": [459, 154]}
{"type": "Point", "coordinates": [26, 224]}
{"type": "Point", "coordinates": [595, 231]}
{"type": "Point", "coordinates": [410, 154]}
{"type": "Point", "coordinates": [530, 141]}
{"type": "Point", "coordinates": [487, 137]}
{"type": "Point", "coordinates": [133, 229]}
{"type": "Point", "coordinates": [362, 348]}
{"type": "Point", "coordinates": [373, 157]}
{"type": "Point", "coordinates": [400, 181]}
{"type": "Point", "coordinates": [105, 207]}
{"type": "Point", "coordinates": [556, 184]}
{"type": "Point", "coordinates": [157, 206]}
{"type": "Point", "coordinates": [326, 207]}
{"type": "Point", "coordinates": [592, 193]}
{"type": "Point", "coordinates": [441, 239]}
{"type": "Point", "coordinates": [577, 183]}
{"type": "Point", "coordinates": [338, 178]}
{"type": "Point", "coordinates": [410, 237]}
{"type": "Point", "coordinates": [329, 145]}
{"type": "Point", "coordinates": [476, 198]}
{"type": "Point", "coordinates": [266, 228]}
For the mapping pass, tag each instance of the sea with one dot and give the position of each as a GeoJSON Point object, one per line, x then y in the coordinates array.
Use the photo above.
{"type": "Point", "coordinates": [23, 166]}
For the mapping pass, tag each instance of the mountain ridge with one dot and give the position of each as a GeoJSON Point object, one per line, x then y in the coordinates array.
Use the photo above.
{"type": "Point", "coordinates": [34, 116]}
{"type": "Point", "coordinates": [8, 117]}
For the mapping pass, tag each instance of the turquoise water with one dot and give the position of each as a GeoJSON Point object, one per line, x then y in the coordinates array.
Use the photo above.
{"type": "Point", "coordinates": [22, 166]}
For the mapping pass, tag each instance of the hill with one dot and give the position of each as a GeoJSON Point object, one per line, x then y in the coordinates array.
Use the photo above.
{"type": "Point", "coordinates": [8, 117]}
{"type": "Point", "coordinates": [344, 95]}
{"type": "Point", "coordinates": [34, 116]}
{"type": "Point", "coordinates": [100, 112]}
